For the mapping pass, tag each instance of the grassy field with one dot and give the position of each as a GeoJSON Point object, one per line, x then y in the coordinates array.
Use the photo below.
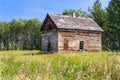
{"type": "Point", "coordinates": [32, 65]}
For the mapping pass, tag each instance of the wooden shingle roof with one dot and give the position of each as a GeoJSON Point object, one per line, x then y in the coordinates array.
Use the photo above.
{"type": "Point", "coordinates": [69, 22]}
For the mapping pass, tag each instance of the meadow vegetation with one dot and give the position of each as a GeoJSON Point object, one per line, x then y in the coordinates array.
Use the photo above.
{"type": "Point", "coordinates": [33, 65]}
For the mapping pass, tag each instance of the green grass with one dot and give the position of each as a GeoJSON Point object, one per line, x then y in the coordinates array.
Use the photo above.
{"type": "Point", "coordinates": [32, 65]}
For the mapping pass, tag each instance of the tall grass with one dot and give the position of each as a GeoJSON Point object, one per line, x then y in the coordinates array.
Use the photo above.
{"type": "Point", "coordinates": [32, 65]}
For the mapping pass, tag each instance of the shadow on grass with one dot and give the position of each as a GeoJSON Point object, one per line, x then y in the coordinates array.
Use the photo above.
{"type": "Point", "coordinates": [38, 53]}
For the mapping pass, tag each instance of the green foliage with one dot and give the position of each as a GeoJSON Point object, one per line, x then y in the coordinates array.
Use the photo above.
{"type": "Point", "coordinates": [98, 14]}
{"type": "Point", "coordinates": [20, 35]}
{"type": "Point", "coordinates": [113, 13]}
{"type": "Point", "coordinates": [23, 65]}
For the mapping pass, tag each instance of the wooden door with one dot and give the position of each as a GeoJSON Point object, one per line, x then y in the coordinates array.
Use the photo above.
{"type": "Point", "coordinates": [65, 44]}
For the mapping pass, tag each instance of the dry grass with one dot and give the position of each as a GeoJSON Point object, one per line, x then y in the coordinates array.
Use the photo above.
{"type": "Point", "coordinates": [32, 65]}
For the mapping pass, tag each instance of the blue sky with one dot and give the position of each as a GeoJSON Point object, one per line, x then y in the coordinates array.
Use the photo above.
{"type": "Point", "coordinates": [27, 9]}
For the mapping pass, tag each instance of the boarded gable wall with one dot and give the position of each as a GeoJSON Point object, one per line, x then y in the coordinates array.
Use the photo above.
{"type": "Point", "coordinates": [47, 23]}
{"type": "Point", "coordinates": [51, 37]}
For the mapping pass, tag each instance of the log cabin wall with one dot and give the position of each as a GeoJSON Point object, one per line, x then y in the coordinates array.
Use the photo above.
{"type": "Point", "coordinates": [92, 41]}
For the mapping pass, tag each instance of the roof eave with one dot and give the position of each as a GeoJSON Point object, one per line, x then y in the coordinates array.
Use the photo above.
{"type": "Point", "coordinates": [65, 29]}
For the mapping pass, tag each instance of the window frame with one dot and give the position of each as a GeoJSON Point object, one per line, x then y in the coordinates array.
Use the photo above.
{"type": "Point", "coordinates": [81, 45]}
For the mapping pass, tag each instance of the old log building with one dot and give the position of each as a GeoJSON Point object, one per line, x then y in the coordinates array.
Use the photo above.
{"type": "Point", "coordinates": [70, 33]}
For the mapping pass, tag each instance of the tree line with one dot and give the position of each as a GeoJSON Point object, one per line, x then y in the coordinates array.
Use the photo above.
{"type": "Point", "coordinates": [25, 34]}
{"type": "Point", "coordinates": [20, 35]}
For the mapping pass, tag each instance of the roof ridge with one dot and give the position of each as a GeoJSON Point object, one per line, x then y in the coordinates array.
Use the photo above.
{"type": "Point", "coordinates": [70, 16]}
{"type": "Point", "coordinates": [84, 18]}
{"type": "Point", "coordinates": [59, 15]}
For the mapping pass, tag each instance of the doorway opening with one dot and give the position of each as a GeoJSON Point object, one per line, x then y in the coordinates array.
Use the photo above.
{"type": "Point", "coordinates": [49, 46]}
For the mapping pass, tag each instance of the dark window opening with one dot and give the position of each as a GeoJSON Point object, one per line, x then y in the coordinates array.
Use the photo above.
{"type": "Point", "coordinates": [50, 27]}
{"type": "Point", "coordinates": [81, 45]}
{"type": "Point", "coordinates": [65, 44]}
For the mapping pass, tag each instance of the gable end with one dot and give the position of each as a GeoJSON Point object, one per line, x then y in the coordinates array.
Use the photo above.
{"type": "Point", "coordinates": [48, 24]}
